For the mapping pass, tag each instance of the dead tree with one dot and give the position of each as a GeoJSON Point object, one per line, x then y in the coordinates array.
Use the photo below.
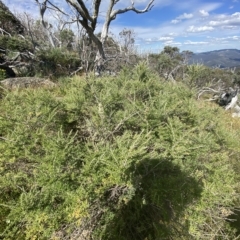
{"type": "Point", "coordinates": [226, 98]}
{"type": "Point", "coordinates": [88, 14]}
{"type": "Point", "coordinates": [43, 8]}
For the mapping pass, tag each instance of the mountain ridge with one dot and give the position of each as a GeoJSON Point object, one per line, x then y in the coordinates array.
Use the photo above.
{"type": "Point", "coordinates": [223, 58]}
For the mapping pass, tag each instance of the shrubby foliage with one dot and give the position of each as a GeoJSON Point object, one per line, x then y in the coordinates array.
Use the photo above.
{"type": "Point", "coordinates": [56, 62]}
{"type": "Point", "coordinates": [15, 43]}
{"type": "Point", "coordinates": [2, 74]}
{"type": "Point", "coordinates": [131, 157]}
{"type": "Point", "coordinates": [173, 65]}
{"type": "Point", "coordinates": [170, 63]}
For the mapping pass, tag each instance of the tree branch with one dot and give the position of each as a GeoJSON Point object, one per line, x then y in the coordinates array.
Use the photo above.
{"type": "Point", "coordinates": [95, 13]}
{"type": "Point", "coordinates": [131, 8]}
{"type": "Point", "coordinates": [81, 8]}
{"type": "Point", "coordinates": [57, 8]}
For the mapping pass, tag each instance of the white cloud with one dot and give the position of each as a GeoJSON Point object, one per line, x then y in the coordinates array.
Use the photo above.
{"type": "Point", "coordinates": [175, 21]}
{"type": "Point", "coordinates": [214, 23]}
{"type": "Point", "coordinates": [203, 13]}
{"type": "Point", "coordinates": [168, 43]}
{"type": "Point", "coordinates": [163, 39]}
{"type": "Point", "coordinates": [172, 43]}
{"type": "Point", "coordinates": [173, 34]}
{"type": "Point", "coordinates": [229, 27]}
{"type": "Point", "coordinates": [226, 20]}
{"type": "Point", "coordinates": [236, 14]}
{"type": "Point", "coordinates": [185, 16]}
{"type": "Point", "coordinates": [182, 17]}
{"type": "Point", "coordinates": [230, 38]}
{"type": "Point", "coordinates": [148, 40]}
{"type": "Point", "coordinates": [154, 39]}
{"type": "Point", "coordinates": [194, 29]}
{"type": "Point", "coordinates": [195, 43]}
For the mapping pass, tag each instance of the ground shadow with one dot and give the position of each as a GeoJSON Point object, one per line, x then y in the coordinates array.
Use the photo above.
{"type": "Point", "coordinates": [163, 191]}
{"type": "Point", "coordinates": [234, 221]}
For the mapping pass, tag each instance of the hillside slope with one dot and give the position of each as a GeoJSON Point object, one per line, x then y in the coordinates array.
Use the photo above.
{"type": "Point", "coordinates": [220, 58]}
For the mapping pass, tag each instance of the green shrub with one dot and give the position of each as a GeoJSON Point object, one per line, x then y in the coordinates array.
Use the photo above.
{"type": "Point", "coordinates": [15, 43]}
{"type": "Point", "coordinates": [129, 157]}
{"type": "Point", "coordinates": [199, 76]}
{"type": "Point", "coordinates": [2, 74]}
{"type": "Point", "coordinates": [57, 62]}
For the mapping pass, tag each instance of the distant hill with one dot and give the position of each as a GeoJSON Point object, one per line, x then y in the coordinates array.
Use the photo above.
{"type": "Point", "coordinates": [224, 58]}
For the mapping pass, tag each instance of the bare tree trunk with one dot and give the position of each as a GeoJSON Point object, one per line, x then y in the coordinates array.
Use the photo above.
{"type": "Point", "coordinates": [43, 7]}
{"type": "Point", "coordinates": [100, 57]}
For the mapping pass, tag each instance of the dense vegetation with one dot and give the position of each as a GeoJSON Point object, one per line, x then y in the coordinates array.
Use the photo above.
{"type": "Point", "coordinates": [131, 157]}
{"type": "Point", "coordinates": [138, 156]}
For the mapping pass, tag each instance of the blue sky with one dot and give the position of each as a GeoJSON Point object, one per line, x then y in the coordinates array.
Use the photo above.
{"type": "Point", "coordinates": [195, 25]}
